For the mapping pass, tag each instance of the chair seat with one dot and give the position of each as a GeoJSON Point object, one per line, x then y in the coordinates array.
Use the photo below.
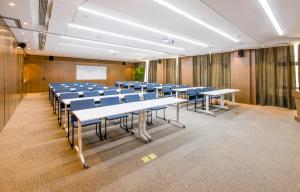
{"type": "Point", "coordinates": [158, 108]}
{"type": "Point", "coordinates": [116, 116]}
{"type": "Point", "coordinates": [86, 123]}
{"type": "Point", "coordinates": [137, 113]}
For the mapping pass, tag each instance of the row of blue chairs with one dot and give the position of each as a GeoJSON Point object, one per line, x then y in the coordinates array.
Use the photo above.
{"type": "Point", "coordinates": [72, 95]}
{"type": "Point", "coordinates": [195, 96]}
{"type": "Point", "coordinates": [109, 101]}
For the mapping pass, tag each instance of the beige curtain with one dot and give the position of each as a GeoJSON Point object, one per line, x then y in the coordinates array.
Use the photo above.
{"type": "Point", "coordinates": [170, 71]}
{"type": "Point", "coordinates": [275, 76]}
{"type": "Point", "coordinates": [221, 70]}
{"type": "Point", "coordinates": [201, 70]}
{"type": "Point", "coordinates": [152, 74]}
{"type": "Point", "coordinates": [179, 81]}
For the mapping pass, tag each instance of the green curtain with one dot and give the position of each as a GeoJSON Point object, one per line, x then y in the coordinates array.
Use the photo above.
{"type": "Point", "coordinates": [275, 76]}
{"type": "Point", "coordinates": [170, 70]}
{"type": "Point", "coordinates": [152, 73]}
{"type": "Point", "coordinates": [221, 70]}
{"type": "Point", "coordinates": [201, 70]}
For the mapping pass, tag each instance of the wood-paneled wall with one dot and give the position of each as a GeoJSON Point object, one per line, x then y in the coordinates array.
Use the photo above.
{"type": "Point", "coordinates": [39, 71]}
{"type": "Point", "coordinates": [11, 64]}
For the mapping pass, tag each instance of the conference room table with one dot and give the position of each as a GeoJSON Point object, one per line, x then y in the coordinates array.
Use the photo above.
{"type": "Point", "coordinates": [141, 107]}
{"type": "Point", "coordinates": [221, 93]}
{"type": "Point", "coordinates": [67, 102]}
{"type": "Point", "coordinates": [185, 89]}
{"type": "Point", "coordinates": [80, 93]}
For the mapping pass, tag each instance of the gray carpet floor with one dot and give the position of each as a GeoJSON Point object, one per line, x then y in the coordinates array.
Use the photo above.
{"type": "Point", "coordinates": [248, 148]}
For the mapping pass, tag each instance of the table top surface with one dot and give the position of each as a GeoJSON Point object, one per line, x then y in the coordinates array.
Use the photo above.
{"type": "Point", "coordinates": [101, 112]}
{"type": "Point", "coordinates": [187, 88]}
{"type": "Point", "coordinates": [98, 98]}
{"type": "Point", "coordinates": [220, 92]}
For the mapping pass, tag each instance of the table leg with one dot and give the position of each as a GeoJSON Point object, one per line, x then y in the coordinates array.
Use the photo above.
{"type": "Point", "coordinates": [222, 101]}
{"type": "Point", "coordinates": [207, 106]}
{"type": "Point", "coordinates": [177, 94]}
{"type": "Point", "coordinates": [65, 119]}
{"type": "Point", "coordinates": [233, 97]}
{"type": "Point", "coordinates": [156, 92]}
{"type": "Point", "coordinates": [176, 121]}
{"type": "Point", "coordinates": [78, 148]}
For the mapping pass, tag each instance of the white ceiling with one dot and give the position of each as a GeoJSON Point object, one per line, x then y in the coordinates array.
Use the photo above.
{"type": "Point", "coordinates": [241, 19]}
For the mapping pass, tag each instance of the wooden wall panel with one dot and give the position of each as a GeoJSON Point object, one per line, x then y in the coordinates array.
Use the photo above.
{"type": "Point", "coordinates": [187, 70]}
{"type": "Point", "coordinates": [240, 76]}
{"type": "Point", "coordinates": [39, 71]}
{"type": "Point", "coordinates": [11, 64]}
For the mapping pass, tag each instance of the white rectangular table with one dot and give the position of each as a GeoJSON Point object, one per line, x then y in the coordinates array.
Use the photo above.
{"type": "Point", "coordinates": [185, 89]}
{"type": "Point", "coordinates": [221, 93]}
{"type": "Point", "coordinates": [67, 102]}
{"type": "Point", "coordinates": [141, 107]}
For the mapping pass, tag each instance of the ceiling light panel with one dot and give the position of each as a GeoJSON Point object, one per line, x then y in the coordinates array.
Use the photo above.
{"type": "Point", "coordinates": [91, 52]}
{"type": "Point", "coordinates": [138, 25]}
{"type": "Point", "coordinates": [199, 21]}
{"type": "Point", "coordinates": [82, 31]}
{"type": "Point", "coordinates": [268, 10]}
{"type": "Point", "coordinates": [107, 46]}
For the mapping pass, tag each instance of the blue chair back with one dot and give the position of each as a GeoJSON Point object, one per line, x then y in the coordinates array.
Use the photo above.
{"type": "Point", "coordinates": [132, 98]}
{"type": "Point", "coordinates": [125, 91]}
{"type": "Point", "coordinates": [149, 96]}
{"type": "Point", "coordinates": [62, 90]}
{"type": "Point", "coordinates": [109, 101]}
{"type": "Point", "coordinates": [166, 89]}
{"type": "Point", "coordinates": [112, 87]}
{"type": "Point", "coordinates": [191, 92]}
{"type": "Point", "coordinates": [90, 93]}
{"type": "Point", "coordinates": [199, 91]}
{"type": "Point", "coordinates": [110, 92]}
{"type": "Point", "coordinates": [82, 104]}
{"type": "Point", "coordinates": [68, 95]}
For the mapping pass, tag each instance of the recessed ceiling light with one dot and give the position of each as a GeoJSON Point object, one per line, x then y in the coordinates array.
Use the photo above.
{"type": "Point", "coordinates": [271, 16]}
{"type": "Point", "coordinates": [110, 44]}
{"type": "Point", "coordinates": [122, 36]}
{"type": "Point", "coordinates": [28, 48]}
{"type": "Point", "coordinates": [144, 27]}
{"type": "Point", "coordinates": [12, 4]}
{"type": "Point", "coordinates": [25, 40]}
{"type": "Point", "coordinates": [25, 23]}
{"type": "Point", "coordinates": [181, 12]}
{"type": "Point", "coordinates": [23, 33]}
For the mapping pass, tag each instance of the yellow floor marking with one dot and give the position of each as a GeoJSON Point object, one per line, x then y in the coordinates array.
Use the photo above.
{"type": "Point", "coordinates": [152, 156]}
{"type": "Point", "coordinates": [146, 159]}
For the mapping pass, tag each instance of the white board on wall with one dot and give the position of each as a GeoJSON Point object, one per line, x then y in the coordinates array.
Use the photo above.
{"type": "Point", "coordinates": [87, 72]}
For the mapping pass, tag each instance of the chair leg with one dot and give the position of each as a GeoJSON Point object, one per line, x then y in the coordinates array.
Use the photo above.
{"type": "Point", "coordinates": [105, 136]}
{"type": "Point", "coordinates": [72, 136]}
{"type": "Point", "coordinates": [131, 120]}
{"type": "Point", "coordinates": [164, 113]}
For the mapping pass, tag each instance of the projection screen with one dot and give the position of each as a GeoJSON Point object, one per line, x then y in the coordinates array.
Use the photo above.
{"type": "Point", "coordinates": [85, 72]}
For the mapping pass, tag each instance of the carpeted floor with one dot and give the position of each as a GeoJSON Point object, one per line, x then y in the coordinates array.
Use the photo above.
{"type": "Point", "coordinates": [249, 148]}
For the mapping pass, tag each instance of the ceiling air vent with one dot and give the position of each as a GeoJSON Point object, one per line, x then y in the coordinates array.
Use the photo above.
{"type": "Point", "coordinates": [42, 11]}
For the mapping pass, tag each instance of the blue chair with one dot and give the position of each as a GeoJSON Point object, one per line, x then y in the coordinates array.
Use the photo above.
{"type": "Point", "coordinates": [122, 117]}
{"type": "Point", "coordinates": [88, 88]}
{"type": "Point", "coordinates": [61, 106]}
{"type": "Point", "coordinates": [137, 86]}
{"type": "Point", "coordinates": [135, 98]}
{"type": "Point", "coordinates": [150, 96]}
{"type": "Point", "coordinates": [192, 97]}
{"type": "Point", "coordinates": [167, 92]}
{"type": "Point", "coordinates": [126, 91]}
{"type": "Point", "coordinates": [110, 92]}
{"type": "Point", "coordinates": [98, 88]}
{"type": "Point", "coordinates": [55, 97]}
{"type": "Point", "coordinates": [200, 96]}
{"type": "Point", "coordinates": [125, 85]}
{"type": "Point", "coordinates": [81, 105]}
{"type": "Point", "coordinates": [90, 93]}
{"type": "Point", "coordinates": [150, 88]}
{"type": "Point", "coordinates": [111, 87]}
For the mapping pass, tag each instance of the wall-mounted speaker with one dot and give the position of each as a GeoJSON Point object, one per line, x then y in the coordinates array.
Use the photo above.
{"type": "Point", "coordinates": [159, 61]}
{"type": "Point", "coordinates": [22, 45]}
{"type": "Point", "coordinates": [241, 53]}
{"type": "Point", "coordinates": [51, 58]}
{"type": "Point", "coordinates": [123, 63]}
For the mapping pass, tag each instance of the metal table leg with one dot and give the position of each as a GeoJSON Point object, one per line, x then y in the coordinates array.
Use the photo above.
{"type": "Point", "coordinates": [78, 147]}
